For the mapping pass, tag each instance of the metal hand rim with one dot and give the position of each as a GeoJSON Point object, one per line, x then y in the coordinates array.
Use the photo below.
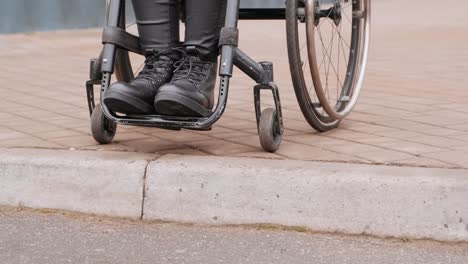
{"type": "Point", "coordinates": [361, 67]}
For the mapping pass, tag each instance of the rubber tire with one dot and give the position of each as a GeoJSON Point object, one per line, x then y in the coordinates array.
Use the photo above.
{"type": "Point", "coordinates": [302, 95]}
{"type": "Point", "coordinates": [268, 131]}
{"type": "Point", "coordinates": [102, 129]}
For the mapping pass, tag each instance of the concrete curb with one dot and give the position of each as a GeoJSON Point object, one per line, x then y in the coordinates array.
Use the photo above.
{"type": "Point", "coordinates": [330, 197]}
{"type": "Point", "coordinates": [105, 183]}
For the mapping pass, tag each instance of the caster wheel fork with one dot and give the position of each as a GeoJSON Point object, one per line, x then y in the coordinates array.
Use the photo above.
{"type": "Point", "coordinates": [269, 121]}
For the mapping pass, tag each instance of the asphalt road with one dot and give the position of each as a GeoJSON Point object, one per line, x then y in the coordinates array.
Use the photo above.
{"type": "Point", "coordinates": [28, 236]}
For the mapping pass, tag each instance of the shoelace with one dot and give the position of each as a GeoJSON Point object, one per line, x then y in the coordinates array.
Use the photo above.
{"type": "Point", "coordinates": [189, 68]}
{"type": "Point", "coordinates": [158, 64]}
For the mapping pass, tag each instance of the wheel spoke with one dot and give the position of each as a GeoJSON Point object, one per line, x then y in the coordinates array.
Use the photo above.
{"type": "Point", "coordinates": [324, 53]}
{"type": "Point", "coordinates": [339, 33]}
{"type": "Point", "coordinates": [323, 45]}
{"type": "Point", "coordinates": [305, 63]}
{"type": "Point", "coordinates": [344, 53]}
{"type": "Point", "coordinates": [346, 7]}
{"type": "Point", "coordinates": [327, 92]}
{"type": "Point", "coordinates": [347, 17]}
{"type": "Point", "coordinates": [329, 58]}
{"type": "Point", "coordinates": [338, 50]}
{"type": "Point", "coordinates": [303, 45]}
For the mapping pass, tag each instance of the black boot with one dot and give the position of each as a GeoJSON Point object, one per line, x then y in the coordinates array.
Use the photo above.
{"type": "Point", "coordinates": [191, 90]}
{"type": "Point", "coordinates": [137, 96]}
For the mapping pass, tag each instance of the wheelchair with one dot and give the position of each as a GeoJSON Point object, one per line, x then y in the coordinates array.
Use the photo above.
{"type": "Point", "coordinates": [327, 42]}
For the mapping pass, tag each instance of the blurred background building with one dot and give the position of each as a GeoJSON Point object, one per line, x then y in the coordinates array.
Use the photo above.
{"type": "Point", "coordinates": [41, 15]}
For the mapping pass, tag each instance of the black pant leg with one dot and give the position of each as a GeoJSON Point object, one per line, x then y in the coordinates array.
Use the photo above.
{"type": "Point", "coordinates": [158, 23]}
{"type": "Point", "coordinates": [204, 19]}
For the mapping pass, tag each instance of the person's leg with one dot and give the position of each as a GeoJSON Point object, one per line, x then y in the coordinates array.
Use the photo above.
{"type": "Point", "coordinates": [157, 22]}
{"type": "Point", "coordinates": [158, 27]}
{"type": "Point", "coordinates": [204, 19]}
{"type": "Point", "coordinates": [191, 90]}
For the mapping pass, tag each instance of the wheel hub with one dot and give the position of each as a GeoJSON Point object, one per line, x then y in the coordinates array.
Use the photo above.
{"type": "Point", "coordinates": [333, 13]}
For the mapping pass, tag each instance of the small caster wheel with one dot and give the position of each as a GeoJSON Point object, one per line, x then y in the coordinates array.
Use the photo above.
{"type": "Point", "coordinates": [269, 130]}
{"type": "Point", "coordinates": [103, 129]}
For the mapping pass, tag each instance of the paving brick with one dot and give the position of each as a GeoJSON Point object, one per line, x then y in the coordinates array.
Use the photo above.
{"type": "Point", "coordinates": [400, 134]}
{"type": "Point", "coordinates": [152, 145]}
{"type": "Point", "coordinates": [352, 148]}
{"type": "Point", "coordinates": [300, 126]}
{"type": "Point", "coordinates": [234, 123]}
{"type": "Point", "coordinates": [409, 147]}
{"type": "Point", "coordinates": [364, 127]}
{"type": "Point", "coordinates": [346, 134]}
{"type": "Point", "coordinates": [75, 141]}
{"type": "Point", "coordinates": [8, 134]}
{"type": "Point", "coordinates": [440, 141]}
{"type": "Point", "coordinates": [424, 162]}
{"type": "Point", "coordinates": [109, 147]}
{"type": "Point", "coordinates": [384, 156]}
{"type": "Point", "coordinates": [461, 127]}
{"type": "Point", "coordinates": [30, 142]}
{"type": "Point", "coordinates": [59, 134]}
{"type": "Point", "coordinates": [221, 147]}
{"type": "Point", "coordinates": [438, 131]}
{"type": "Point", "coordinates": [260, 155]}
{"type": "Point", "coordinates": [128, 136]}
{"type": "Point", "coordinates": [316, 140]}
{"type": "Point", "coordinates": [296, 151]}
{"type": "Point", "coordinates": [465, 148]}
{"type": "Point", "coordinates": [459, 158]}
{"type": "Point", "coordinates": [181, 136]}
{"type": "Point", "coordinates": [373, 140]}
{"type": "Point", "coordinates": [183, 151]}
{"type": "Point", "coordinates": [216, 130]}
{"type": "Point", "coordinates": [231, 135]}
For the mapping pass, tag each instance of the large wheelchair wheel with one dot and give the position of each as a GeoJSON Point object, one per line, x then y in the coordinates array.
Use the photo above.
{"type": "Point", "coordinates": [328, 42]}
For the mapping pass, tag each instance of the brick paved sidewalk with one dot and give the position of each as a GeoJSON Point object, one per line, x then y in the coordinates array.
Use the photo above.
{"type": "Point", "coordinates": [412, 111]}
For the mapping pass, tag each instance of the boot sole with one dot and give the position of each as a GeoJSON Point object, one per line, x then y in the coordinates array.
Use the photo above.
{"type": "Point", "coordinates": [174, 104]}
{"type": "Point", "coordinates": [125, 103]}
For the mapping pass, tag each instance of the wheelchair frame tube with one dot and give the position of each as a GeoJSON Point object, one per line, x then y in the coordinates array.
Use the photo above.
{"type": "Point", "coordinates": [108, 58]}
{"type": "Point", "coordinates": [250, 67]}
{"type": "Point", "coordinates": [227, 51]}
